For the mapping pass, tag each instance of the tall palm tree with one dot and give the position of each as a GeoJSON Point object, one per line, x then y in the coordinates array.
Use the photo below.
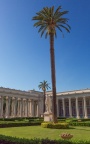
{"type": "Point", "coordinates": [44, 86]}
{"type": "Point", "coordinates": [48, 20]}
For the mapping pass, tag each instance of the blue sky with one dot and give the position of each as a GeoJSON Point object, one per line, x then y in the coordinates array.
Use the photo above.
{"type": "Point", "coordinates": [25, 56]}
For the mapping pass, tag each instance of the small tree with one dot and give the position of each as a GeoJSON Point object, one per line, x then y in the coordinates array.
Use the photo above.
{"type": "Point", "coordinates": [44, 86]}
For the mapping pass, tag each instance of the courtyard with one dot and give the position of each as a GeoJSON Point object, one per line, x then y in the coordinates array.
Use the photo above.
{"type": "Point", "coordinates": [79, 133]}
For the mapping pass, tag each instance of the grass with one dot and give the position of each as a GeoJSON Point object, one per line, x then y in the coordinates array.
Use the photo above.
{"type": "Point", "coordinates": [79, 133]}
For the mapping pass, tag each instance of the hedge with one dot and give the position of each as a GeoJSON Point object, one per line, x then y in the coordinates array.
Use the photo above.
{"type": "Point", "coordinates": [13, 140]}
{"type": "Point", "coordinates": [20, 118]}
{"type": "Point", "coordinates": [79, 124]}
{"type": "Point", "coordinates": [4, 125]}
{"type": "Point", "coordinates": [55, 125]}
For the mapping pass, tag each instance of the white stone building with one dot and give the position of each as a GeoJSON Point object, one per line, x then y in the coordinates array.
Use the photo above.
{"type": "Point", "coordinates": [17, 103]}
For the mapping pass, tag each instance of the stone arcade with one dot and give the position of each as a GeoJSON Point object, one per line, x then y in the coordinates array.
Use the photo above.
{"type": "Point", "coordinates": [17, 103]}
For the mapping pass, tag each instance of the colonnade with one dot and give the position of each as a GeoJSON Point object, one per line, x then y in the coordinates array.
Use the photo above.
{"type": "Point", "coordinates": [18, 107]}
{"type": "Point", "coordinates": [74, 107]}
{"type": "Point", "coordinates": [17, 103]}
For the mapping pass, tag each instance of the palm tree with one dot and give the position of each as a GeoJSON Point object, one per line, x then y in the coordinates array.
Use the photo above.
{"type": "Point", "coordinates": [48, 20]}
{"type": "Point", "coordinates": [44, 86]}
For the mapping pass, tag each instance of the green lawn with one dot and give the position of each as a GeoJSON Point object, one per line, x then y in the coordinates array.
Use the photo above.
{"type": "Point", "coordinates": [29, 132]}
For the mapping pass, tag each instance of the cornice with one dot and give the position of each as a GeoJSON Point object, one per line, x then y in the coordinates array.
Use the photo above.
{"type": "Point", "coordinates": [20, 92]}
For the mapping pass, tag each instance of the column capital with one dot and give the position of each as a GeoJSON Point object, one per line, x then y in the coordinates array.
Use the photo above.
{"type": "Point", "coordinates": [19, 99]}
{"type": "Point", "coordinates": [13, 98]}
{"type": "Point", "coordinates": [24, 99]}
{"type": "Point", "coordinates": [84, 97]}
{"type": "Point", "coordinates": [7, 97]}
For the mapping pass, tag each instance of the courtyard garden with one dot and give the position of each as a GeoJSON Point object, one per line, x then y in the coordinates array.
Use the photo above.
{"type": "Point", "coordinates": [29, 130]}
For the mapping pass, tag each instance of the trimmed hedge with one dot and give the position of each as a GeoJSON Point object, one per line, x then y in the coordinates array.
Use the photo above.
{"type": "Point", "coordinates": [80, 124]}
{"type": "Point", "coordinates": [16, 122]}
{"type": "Point", "coordinates": [21, 118]}
{"type": "Point", "coordinates": [55, 125]}
{"type": "Point", "coordinates": [13, 140]}
{"type": "Point", "coordinates": [4, 125]}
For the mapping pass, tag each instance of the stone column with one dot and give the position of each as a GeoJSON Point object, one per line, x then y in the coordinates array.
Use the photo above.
{"type": "Point", "coordinates": [12, 107]}
{"type": "Point", "coordinates": [15, 106]}
{"type": "Point", "coordinates": [77, 109]}
{"type": "Point", "coordinates": [20, 114]}
{"type": "Point", "coordinates": [57, 103]}
{"type": "Point", "coordinates": [0, 106]}
{"type": "Point", "coordinates": [18, 107]}
{"type": "Point", "coordinates": [41, 107]}
{"type": "Point", "coordinates": [32, 108]}
{"type": "Point", "coordinates": [63, 106]}
{"type": "Point", "coordinates": [21, 107]}
{"type": "Point", "coordinates": [85, 107]}
{"type": "Point", "coordinates": [70, 108]}
{"type": "Point", "coordinates": [2, 114]}
{"type": "Point", "coordinates": [35, 108]}
{"type": "Point", "coordinates": [7, 107]}
{"type": "Point", "coordinates": [26, 108]}
{"type": "Point", "coordinates": [38, 108]}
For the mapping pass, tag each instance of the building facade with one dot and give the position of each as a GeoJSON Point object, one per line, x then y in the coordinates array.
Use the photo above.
{"type": "Point", "coordinates": [17, 103]}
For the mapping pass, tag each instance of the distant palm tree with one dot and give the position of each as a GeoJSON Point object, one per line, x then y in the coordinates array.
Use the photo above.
{"type": "Point", "coordinates": [48, 21]}
{"type": "Point", "coordinates": [44, 86]}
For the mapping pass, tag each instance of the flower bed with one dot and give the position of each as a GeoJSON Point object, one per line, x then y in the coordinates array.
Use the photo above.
{"type": "Point", "coordinates": [66, 136]}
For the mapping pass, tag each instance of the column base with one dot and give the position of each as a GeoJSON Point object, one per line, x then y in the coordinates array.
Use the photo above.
{"type": "Point", "coordinates": [78, 117]}
{"type": "Point", "coordinates": [85, 117]}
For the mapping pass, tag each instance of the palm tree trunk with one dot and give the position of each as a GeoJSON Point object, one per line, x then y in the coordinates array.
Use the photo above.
{"type": "Point", "coordinates": [44, 101]}
{"type": "Point", "coordinates": [53, 77]}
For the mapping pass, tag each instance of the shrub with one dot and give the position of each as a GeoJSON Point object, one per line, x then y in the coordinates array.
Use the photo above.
{"type": "Point", "coordinates": [80, 123]}
{"type": "Point", "coordinates": [13, 140]}
{"type": "Point", "coordinates": [18, 124]}
{"type": "Point", "coordinates": [55, 125]}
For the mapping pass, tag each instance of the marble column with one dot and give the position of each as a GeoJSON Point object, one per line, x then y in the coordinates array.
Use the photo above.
{"type": "Point", "coordinates": [29, 113]}
{"type": "Point", "coordinates": [21, 107]}
{"type": "Point", "coordinates": [77, 108]}
{"type": "Point", "coordinates": [2, 114]}
{"type": "Point", "coordinates": [85, 107]}
{"type": "Point", "coordinates": [0, 106]}
{"type": "Point", "coordinates": [32, 108]}
{"type": "Point", "coordinates": [20, 113]}
{"type": "Point", "coordinates": [15, 107]}
{"type": "Point", "coordinates": [41, 107]}
{"type": "Point", "coordinates": [35, 108]}
{"type": "Point", "coordinates": [23, 111]}
{"type": "Point", "coordinates": [18, 107]}
{"type": "Point", "coordinates": [26, 108]}
{"type": "Point", "coordinates": [63, 106]}
{"type": "Point", "coordinates": [70, 108]}
{"type": "Point", "coordinates": [38, 108]}
{"type": "Point", "coordinates": [7, 107]}
{"type": "Point", "coordinates": [12, 107]}
{"type": "Point", "coordinates": [57, 104]}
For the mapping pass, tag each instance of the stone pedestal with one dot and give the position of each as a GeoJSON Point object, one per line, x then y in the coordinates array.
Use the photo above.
{"type": "Point", "coordinates": [48, 116]}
